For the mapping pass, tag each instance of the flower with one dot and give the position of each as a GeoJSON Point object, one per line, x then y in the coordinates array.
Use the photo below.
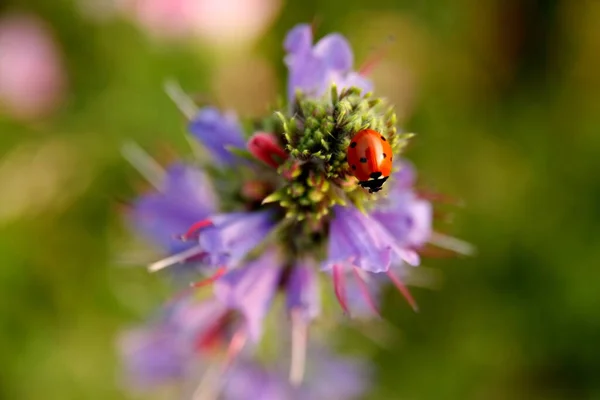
{"type": "Point", "coordinates": [288, 203]}
{"type": "Point", "coordinates": [32, 77]}
{"type": "Point", "coordinates": [314, 69]}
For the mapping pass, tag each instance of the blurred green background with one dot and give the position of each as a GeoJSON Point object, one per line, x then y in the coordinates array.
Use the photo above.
{"type": "Point", "coordinates": [504, 96]}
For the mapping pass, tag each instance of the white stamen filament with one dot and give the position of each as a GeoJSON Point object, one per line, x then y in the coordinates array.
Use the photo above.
{"type": "Point", "coordinates": [144, 164]}
{"type": "Point", "coordinates": [174, 259]}
{"type": "Point", "coordinates": [183, 102]}
{"type": "Point", "coordinates": [299, 339]}
{"type": "Point", "coordinates": [453, 244]}
{"type": "Point", "coordinates": [235, 347]}
{"type": "Point", "coordinates": [209, 386]}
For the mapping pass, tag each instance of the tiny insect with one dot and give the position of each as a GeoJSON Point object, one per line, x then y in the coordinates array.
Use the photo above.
{"type": "Point", "coordinates": [370, 159]}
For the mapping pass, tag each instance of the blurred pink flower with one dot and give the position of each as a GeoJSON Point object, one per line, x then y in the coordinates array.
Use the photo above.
{"type": "Point", "coordinates": [162, 18]}
{"type": "Point", "coordinates": [32, 78]}
{"type": "Point", "coordinates": [219, 21]}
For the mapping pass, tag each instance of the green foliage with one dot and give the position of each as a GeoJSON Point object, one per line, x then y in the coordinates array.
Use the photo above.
{"type": "Point", "coordinates": [508, 123]}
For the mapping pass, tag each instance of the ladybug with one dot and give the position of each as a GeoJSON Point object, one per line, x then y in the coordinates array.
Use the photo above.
{"type": "Point", "coordinates": [370, 159]}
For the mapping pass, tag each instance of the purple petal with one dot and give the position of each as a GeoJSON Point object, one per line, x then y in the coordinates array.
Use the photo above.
{"type": "Point", "coordinates": [250, 289]}
{"type": "Point", "coordinates": [249, 380]}
{"type": "Point", "coordinates": [308, 74]}
{"type": "Point", "coordinates": [216, 131]}
{"type": "Point", "coordinates": [151, 357]}
{"type": "Point", "coordinates": [191, 319]}
{"type": "Point", "coordinates": [404, 215]}
{"type": "Point", "coordinates": [405, 178]}
{"type": "Point", "coordinates": [303, 292]}
{"type": "Point", "coordinates": [335, 52]}
{"type": "Point", "coordinates": [187, 197]}
{"type": "Point", "coordinates": [351, 79]}
{"type": "Point", "coordinates": [191, 187]}
{"type": "Point", "coordinates": [299, 39]}
{"type": "Point", "coordinates": [234, 235]}
{"type": "Point", "coordinates": [313, 70]}
{"type": "Point", "coordinates": [330, 377]}
{"type": "Point", "coordinates": [355, 238]}
{"type": "Point", "coordinates": [358, 300]}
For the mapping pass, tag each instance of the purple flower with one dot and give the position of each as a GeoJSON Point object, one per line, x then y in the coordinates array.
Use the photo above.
{"type": "Point", "coordinates": [313, 69]}
{"type": "Point", "coordinates": [152, 356]}
{"type": "Point", "coordinates": [217, 131]}
{"type": "Point", "coordinates": [186, 197]}
{"type": "Point", "coordinates": [231, 236]}
{"type": "Point", "coordinates": [250, 289]}
{"type": "Point", "coordinates": [270, 237]}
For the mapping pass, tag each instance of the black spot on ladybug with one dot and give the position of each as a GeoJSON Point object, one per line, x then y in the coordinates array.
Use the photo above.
{"type": "Point", "coordinates": [384, 139]}
{"type": "Point", "coordinates": [384, 155]}
{"type": "Point", "coordinates": [363, 160]}
{"type": "Point", "coordinates": [375, 175]}
{"type": "Point", "coordinates": [353, 166]}
{"type": "Point", "coordinates": [353, 144]}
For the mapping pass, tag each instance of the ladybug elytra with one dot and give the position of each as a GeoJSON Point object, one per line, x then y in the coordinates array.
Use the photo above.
{"type": "Point", "coordinates": [370, 159]}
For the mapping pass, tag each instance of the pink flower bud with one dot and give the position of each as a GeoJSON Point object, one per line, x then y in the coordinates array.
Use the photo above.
{"type": "Point", "coordinates": [265, 147]}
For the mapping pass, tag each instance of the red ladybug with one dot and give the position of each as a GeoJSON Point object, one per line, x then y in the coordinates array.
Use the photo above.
{"type": "Point", "coordinates": [370, 159]}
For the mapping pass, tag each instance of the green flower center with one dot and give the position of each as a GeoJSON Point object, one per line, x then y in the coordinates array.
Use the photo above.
{"type": "Point", "coordinates": [317, 135]}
